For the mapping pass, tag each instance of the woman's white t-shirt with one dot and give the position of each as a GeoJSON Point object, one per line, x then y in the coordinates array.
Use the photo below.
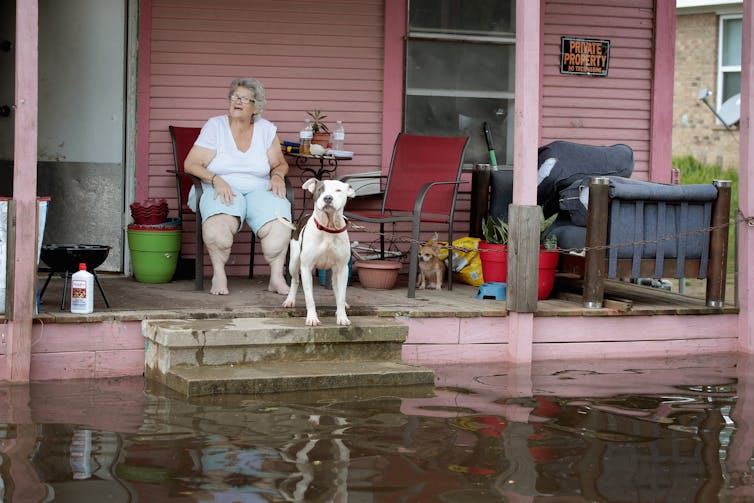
{"type": "Point", "coordinates": [244, 171]}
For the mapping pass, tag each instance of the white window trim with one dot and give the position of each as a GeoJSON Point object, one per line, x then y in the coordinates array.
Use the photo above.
{"type": "Point", "coordinates": [721, 70]}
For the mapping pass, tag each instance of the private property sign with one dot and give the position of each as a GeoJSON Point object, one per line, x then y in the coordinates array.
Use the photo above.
{"type": "Point", "coordinates": [584, 56]}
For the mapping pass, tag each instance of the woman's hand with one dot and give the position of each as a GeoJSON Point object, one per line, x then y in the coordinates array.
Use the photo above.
{"type": "Point", "coordinates": [222, 189]}
{"type": "Point", "coordinates": [196, 164]}
{"type": "Point", "coordinates": [278, 169]}
{"type": "Point", "coordinates": [277, 185]}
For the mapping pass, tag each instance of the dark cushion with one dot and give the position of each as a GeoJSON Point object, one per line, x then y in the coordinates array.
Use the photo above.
{"type": "Point", "coordinates": [561, 163]}
{"type": "Point", "coordinates": [570, 236]}
{"type": "Point", "coordinates": [574, 201]}
{"type": "Point", "coordinates": [626, 188]}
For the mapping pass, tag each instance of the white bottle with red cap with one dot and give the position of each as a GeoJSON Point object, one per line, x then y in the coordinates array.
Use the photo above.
{"type": "Point", "coordinates": [82, 291]}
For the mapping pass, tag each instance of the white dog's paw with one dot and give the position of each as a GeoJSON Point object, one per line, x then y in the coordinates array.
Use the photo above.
{"type": "Point", "coordinates": [343, 320]}
{"type": "Point", "coordinates": [312, 321]}
{"type": "Point", "coordinates": [288, 302]}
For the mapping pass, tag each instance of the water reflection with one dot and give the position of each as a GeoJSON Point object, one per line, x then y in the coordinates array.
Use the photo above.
{"type": "Point", "coordinates": [653, 430]}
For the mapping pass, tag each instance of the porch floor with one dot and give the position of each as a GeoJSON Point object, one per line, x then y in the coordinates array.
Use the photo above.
{"type": "Point", "coordinates": [131, 300]}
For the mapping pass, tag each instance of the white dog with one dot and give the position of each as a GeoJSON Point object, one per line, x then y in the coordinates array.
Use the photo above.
{"type": "Point", "coordinates": [321, 241]}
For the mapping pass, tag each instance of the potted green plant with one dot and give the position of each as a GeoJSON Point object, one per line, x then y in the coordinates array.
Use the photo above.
{"type": "Point", "coordinates": [548, 242]}
{"type": "Point", "coordinates": [320, 129]}
{"type": "Point", "coordinates": [493, 252]}
{"type": "Point", "coordinates": [495, 232]}
{"type": "Point", "coordinates": [548, 256]}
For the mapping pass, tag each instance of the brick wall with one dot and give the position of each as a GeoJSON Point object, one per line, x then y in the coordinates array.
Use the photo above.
{"type": "Point", "coordinates": [695, 130]}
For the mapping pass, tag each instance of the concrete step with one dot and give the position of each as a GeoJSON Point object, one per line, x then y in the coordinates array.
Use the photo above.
{"type": "Point", "coordinates": [245, 340]}
{"type": "Point", "coordinates": [275, 377]}
{"type": "Point", "coordinates": [271, 355]}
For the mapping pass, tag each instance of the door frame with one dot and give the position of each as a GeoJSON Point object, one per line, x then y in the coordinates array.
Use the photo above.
{"type": "Point", "coordinates": [131, 94]}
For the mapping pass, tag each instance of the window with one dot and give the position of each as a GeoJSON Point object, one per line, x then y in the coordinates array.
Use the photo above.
{"type": "Point", "coordinates": [460, 60]}
{"type": "Point", "coordinates": [729, 59]}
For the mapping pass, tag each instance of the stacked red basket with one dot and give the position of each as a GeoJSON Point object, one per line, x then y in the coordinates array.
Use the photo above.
{"type": "Point", "coordinates": [149, 212]}
{"type": "Point", "coordinates": [154, 241]}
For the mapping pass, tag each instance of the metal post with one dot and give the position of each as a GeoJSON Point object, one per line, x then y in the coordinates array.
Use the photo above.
{"type": "Point", "coordinates": [596, 239]}
{"type": "Point", "coordinates": [718, 249]}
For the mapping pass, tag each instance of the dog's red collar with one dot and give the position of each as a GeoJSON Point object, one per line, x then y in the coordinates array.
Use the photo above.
{"type": "Point", "coordinates": [331, 231]}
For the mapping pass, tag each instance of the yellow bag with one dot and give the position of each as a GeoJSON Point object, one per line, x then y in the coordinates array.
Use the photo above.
{"type": "Point", "coordinates": [466, 262]}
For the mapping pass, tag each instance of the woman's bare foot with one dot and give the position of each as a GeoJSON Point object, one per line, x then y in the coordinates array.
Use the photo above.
{"type": "Point", "coordinates": [219, 285]}
{"type": "Point", "coordinates": [218, 238]}
{"type": "Point", "coordinates": [278, 285]}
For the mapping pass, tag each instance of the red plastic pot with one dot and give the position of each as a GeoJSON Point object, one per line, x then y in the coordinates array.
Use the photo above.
{"type": "Point", "coordinates": [494, 260]}
{"type": "Point", "coordinates": [548, 264]}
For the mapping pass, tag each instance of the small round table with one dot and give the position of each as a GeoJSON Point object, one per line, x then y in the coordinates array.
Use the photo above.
{"type": "Point", "coordinates": [302, 163]}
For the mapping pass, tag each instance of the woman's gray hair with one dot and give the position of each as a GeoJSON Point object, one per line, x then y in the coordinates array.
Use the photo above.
{"type": "Point", "coordinates": [257, 90]}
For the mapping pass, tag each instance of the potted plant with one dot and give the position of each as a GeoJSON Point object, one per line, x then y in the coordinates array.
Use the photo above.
{"type": "Point", "coordinates": [493, 253]}
{"type": "Point", "coordinates": [319, 128]}
{"type": "Point", "coordinates": [493, 250]}
{"type": "Point", "coordinates": [548, 256]}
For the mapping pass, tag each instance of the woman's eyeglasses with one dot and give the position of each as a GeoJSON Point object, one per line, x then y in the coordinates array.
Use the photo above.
{"type": "Point", "coordinates": [242, 99]}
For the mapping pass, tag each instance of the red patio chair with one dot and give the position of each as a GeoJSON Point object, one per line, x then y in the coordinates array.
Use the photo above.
{"type": "Point", "coordinates": [421, 187]}
{"type": "Point", "coordinates": [183, 139]}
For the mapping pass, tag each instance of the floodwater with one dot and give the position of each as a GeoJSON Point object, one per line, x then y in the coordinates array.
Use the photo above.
{"type": "Point", "coordinates": [650, 430]}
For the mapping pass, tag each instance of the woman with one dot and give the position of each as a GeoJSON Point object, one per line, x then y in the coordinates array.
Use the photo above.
{"type": "Point", "coordinates": [238, 158]}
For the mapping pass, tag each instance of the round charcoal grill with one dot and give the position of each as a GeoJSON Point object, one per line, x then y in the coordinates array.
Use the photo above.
{"type": "Point", "coordinates": [65, 259]}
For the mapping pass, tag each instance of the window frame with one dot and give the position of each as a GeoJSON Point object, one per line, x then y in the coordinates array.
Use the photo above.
{"type": "Point", "coordinates": [507, 39]}
{"type": "Point", "coordinates": [723, 69]}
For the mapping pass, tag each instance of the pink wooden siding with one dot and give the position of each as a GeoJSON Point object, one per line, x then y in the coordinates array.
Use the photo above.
{"type": "Point", "coordinates": [336, 63]}
{"type": "Point", "coordinates": [87, 350]}
{"type": "Point", "coordinates": [601, 110]}
{"type": "Point", "coordinates": [468, 340]}
{"type": "Point", "coordinates": [326, 55]}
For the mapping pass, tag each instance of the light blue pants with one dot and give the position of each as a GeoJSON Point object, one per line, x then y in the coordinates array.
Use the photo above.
{"type": "Point", "coordinates": [256, 207]}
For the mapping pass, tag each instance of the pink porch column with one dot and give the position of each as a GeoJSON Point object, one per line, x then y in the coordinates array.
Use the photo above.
{"type": "Point", "coordinates": [661, 143]}
{"type": "Point", "coordinates": [392, 77]}
{"type": "Point", "coordinates": [746, 184]}
{"type": "Point", "coordinates": [526, 142]}
{"type": "Point", "coordinates": [527, 110]}
{"type": "Point", "coordinates": [24, 266]}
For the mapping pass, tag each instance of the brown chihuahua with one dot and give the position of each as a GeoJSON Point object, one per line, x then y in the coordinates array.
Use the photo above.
{"type": "Point", "coordinates": [431, 268]}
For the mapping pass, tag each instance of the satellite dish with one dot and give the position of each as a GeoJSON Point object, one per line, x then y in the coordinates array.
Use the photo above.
{"type": "Point", "coordinates": [730, 111]}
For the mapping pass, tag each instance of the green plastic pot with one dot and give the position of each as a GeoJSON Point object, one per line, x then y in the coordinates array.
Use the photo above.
{"type": "Point", "coordinates": [154, 254]}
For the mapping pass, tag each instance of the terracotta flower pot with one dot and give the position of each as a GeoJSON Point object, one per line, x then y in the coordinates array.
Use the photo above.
{"type": "Point", "coordinates": [378, 274]}
{"type": "Point", "coordinates": [321, 139]}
